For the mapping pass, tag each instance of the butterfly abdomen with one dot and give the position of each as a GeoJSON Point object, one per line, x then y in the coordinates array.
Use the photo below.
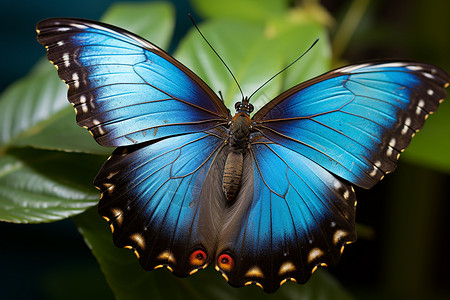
{"type": "Point", "coordinates": [232, 174]}
{"type": "Point", "coordinates": [239, 136]}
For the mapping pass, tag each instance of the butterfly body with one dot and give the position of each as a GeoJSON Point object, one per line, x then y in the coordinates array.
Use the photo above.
{"type": "Point", "coordinates": [239, 135]}
{"type": "Point", "coordinates": [265, 199]}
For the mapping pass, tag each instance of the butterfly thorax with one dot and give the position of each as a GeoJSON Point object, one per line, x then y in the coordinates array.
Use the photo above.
{"type": "Point", "coordinates": [239, 134]}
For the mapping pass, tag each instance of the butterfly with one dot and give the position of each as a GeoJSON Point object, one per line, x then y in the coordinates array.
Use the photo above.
{"type": "Point", "coordinates": [265, 199]}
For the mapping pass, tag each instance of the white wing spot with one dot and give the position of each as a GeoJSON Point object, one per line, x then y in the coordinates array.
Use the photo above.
{"type": "Point", "coordinates": [75, 79]}
{"type": "Point", "coordinates": [101, 130]}
{"type": "Point", "coordinates": [62, 29]}
{"type": "Point", "coordinates": [418, 110]}
{"type": "Point", "coordinates": [76, 25]}
{"type": "Point", "coordinates": [352, 68]}
{"type": "Point", "coordinates": [389, 151]}
{"type": "Point", "coordinates": [392, 142]}
{"type": "Point", "coordinates": [373, 172]}
{"type": "Point", "coordinates": [428, 75]}
{"type": "Point", "coordinates": [405, 130]}
{"type": "Point", "coordinates": [391, 65]}
{"type": "Point", "coordinates": [430, 92]}
{"type": "Point", "coordinates": [408, 121]}
{"type": "Point", "coordinates": [337, 184]}
{"type": "Point", "coordinates": [414, 68]}
{"type": "Point", "coordinates": [66, 60]}
{"type": "Point", "coordinates": [346, 194]}
{"type": "Point", "coordinates": [60, 43]}
{"type": "Point", "coordinates": [82, 99]}
{"type": "Point", "coordinates": [421, 103]}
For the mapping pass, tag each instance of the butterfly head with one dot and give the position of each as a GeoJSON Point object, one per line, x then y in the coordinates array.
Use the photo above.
{"type": "Point", "coordinates": [244, 106]}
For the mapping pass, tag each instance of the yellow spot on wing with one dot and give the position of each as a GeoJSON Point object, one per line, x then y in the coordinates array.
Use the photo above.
{"type": "Point", "coordinates": [287, 279]}
{"type": "Point", "coordinates": [139, 239]}
{"type": "Point", "coordinates": [255, 283]}
{"type": "Point", "coordinates": [224, 276]}
{"type": "Point", "coordinates": [167, 255]}
{"type": "Point", "coordinates": [319, 265]}
{"type": "Point", "coordinates": [193, 271]}
{"type": "Point", "coordinates": [254, 272]}
{"type": "Point", "coordinates": [314, 254]}
{"type": "Point", "coordinates": [338, 235]}
{"type": "Point", "coordinates": [286, 267]}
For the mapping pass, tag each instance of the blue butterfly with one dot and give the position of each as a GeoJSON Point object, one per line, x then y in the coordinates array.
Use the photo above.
{"type": "Point", "coordinates": [265, 199]}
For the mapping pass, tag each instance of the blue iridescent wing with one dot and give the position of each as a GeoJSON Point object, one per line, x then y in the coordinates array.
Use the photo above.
{"type": "Point", "coordinates": [296, 206]}
{"type": "Point", "coordinates": [290, 216]}
{"type": "Point", "coordinates": [356, 120]}
{"type": "Point", "coordinates": [161, 189]}
{"type": "Point", "coordinates": [164, 199]}
{"type": "Point", "coordinates": [125, 90]}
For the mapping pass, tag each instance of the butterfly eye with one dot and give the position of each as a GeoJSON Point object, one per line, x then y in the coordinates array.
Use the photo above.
{"type": "Point", "coordinates": [237, 105]}
{"type": "Point", "coordinates": [225, 262]}
{"type": "Point", "coordinates": [250, 108]}
{"type": "Point", "coordinates": [198, 258]}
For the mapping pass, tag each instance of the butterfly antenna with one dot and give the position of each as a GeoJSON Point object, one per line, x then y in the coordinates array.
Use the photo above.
{"type": "Point", "coordinates": [284, 69]}
{"type": "Point", "coordinates": [229, 70]}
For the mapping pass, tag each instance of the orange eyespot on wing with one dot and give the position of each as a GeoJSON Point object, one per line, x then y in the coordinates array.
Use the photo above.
{"type": "Point", "coordinates": [225, 262]}
{"type": "Point", "coordinates": [198, 258]}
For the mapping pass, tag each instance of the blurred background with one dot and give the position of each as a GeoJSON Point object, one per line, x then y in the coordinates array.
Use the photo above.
{"type": "Point", "coordinates": [404, 245]}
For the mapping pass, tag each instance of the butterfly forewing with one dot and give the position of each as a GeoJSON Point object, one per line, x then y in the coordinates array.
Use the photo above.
{"type": "Point", "coordinates": [355, 121]}
{"type": "Point", "coordinates": [124, 89]}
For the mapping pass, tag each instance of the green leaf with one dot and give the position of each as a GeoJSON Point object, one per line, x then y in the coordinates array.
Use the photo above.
{"type": "Point", "coordinates": [152, 21]}
{"type": "Point", "coordinates": [256, 10]}
{"type": "Point", "coordinates": [254, 53]}
{"type": "Point", "coordinates": [35, 112]}
{"type": "Point", "coordinates": [129, 281]}
{"type": "Point", "coordinates": [43, 186]}
{"type": "Point", "coordinates": [431, 146]}
{"type": "Point", "coordinates": [28, 105]}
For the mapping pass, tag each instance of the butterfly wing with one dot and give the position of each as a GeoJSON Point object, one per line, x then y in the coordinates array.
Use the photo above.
{"type": "Point", "coordinates": [161, 189]}
{"type": "Point", "coordinates": [164, 199]}
{"type": "Point", "coordinates": [296, 206]}
{"type": "Point", "coordinates": [125, 90]}
{"type": "Point", "coordinates": [290, 216]}
{"type": "Point", "coordinates": [356, 120]}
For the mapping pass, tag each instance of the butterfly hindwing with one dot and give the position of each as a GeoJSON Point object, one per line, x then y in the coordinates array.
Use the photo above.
{"type": "Point", "coordinates": [125, 90]}
{"type": "Point", "coordinates": [291, 215]}
{"type": "Point", "coordinates": [164, 199]}
{"type": "Point", "coordinates": [356, 120]}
